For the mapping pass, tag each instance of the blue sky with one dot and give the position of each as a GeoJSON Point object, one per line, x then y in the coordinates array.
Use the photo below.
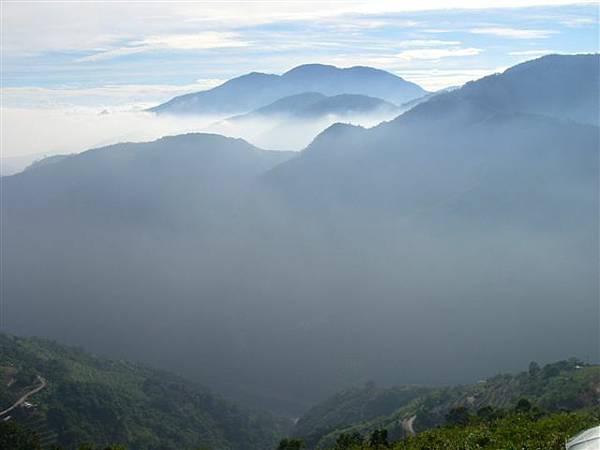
{"type": "Point", "coordinates": [106, 53]}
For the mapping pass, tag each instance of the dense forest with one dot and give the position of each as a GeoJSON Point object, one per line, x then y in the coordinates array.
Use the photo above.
{"type": "Point", "coordinates": [92, 399]}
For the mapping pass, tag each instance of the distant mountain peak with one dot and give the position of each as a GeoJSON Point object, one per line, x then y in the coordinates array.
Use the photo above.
{"type": "Point", "coordinates": [315, 68]}
{"type": "Point", "coordinates": [314, 105]}
{"type": "Point", "coordinates": [337, 130]}
{"type": "Point", "coordinates": [305, 68]}
{"type": "Point", "coordinates": [254, 90]}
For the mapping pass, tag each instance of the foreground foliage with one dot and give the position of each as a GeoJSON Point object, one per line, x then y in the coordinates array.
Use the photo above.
{"type": "Point", "coordinates": [487, 430]}
{"type": "Point", "coordinates": [531, 430]}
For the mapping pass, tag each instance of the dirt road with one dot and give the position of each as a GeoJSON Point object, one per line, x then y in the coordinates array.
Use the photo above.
{"type": "Point", "coordinates": [25, 396]}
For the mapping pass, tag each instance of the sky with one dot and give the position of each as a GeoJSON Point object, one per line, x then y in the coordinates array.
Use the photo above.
{"type": "Point", "coordinates": [127, 56]}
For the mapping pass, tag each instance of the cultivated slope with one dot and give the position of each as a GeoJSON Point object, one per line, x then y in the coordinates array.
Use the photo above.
{"type": "Point", "coordinates": [561, 386]}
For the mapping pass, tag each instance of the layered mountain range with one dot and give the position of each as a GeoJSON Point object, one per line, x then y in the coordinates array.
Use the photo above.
{"type": "Point", "coordinates": [254, 90]}
{"type": "Point", "coordinates": [291, 123]}
{"type": "Point", "coordinates": [461, 234]}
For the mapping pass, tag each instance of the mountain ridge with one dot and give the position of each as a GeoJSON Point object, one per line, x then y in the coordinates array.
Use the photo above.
{"type": "Point", "coordinates": [255, 90]}
{"type": "Point", "coordinates": [291, 123]}
{"type": "Point", "coordinates": [314, 105]}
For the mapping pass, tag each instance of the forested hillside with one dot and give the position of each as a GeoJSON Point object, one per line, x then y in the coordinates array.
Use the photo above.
{"type": "Point", "coordinates": [92, 399]}
{"type": "Point", "coordinates": [67, 398]}
{"type": "Point", "coordinates": [401, 411]}
{"type": "Point", "coordinates": [487, 429]}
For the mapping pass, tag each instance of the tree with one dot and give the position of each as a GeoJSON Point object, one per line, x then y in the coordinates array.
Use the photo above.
{"type": "Point", "coordinates": [550, 371]}
{"type": "Point", "coordinates": [348, 440]}
{"type": "Point", "coordinates": [458, 416]}
{"type": "Point", "coordinates": [486, 413]}
{"type": "Point", "coordinates": [534, 369]}
{"type": "Point", "coordinates": [291, 444]}
{"type": "Point", "coordinates": [14, 437]}
{"type": "Point", "coordinates": [523, 405]}
{"type": "Point", "coordinates": [25, 378]}
{"type": "Point", "coordinates": [379, 438]}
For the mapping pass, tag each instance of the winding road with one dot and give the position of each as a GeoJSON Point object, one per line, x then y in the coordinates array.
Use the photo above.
{"type": "Point", "coordinates": [25, 396]}
{"type": "Point", "coordinates": [407, 425]}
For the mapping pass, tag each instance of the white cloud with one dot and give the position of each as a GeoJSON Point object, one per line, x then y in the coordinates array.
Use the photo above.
{"type": "Point", "coordinates": [436, 53]}
{"type": "Point", "coordinates": [67, 130]}
{"type": "Point", "coordinates": [122, 96]}
{"type": "Point", "coordinates": [34, 27]}
{"type": "Point", "coordinates": [436, 79]}
{"type": "Point", "coordinates": [428, 5]}
{"type": "Point", "coordinates": [199, 41]}
{"type": "Point", "coordinates": [531, 52]}
{"type": "Point", "coordinates": [426, 43]}
{"type": "Point", "coordinates": [248, 13]}
{"type": "Point", "coordinates": [437, 30]}
{"type": "Point", "coordinates": [575, 22]}
{"type": "Point", "coordinates": [513, 33]}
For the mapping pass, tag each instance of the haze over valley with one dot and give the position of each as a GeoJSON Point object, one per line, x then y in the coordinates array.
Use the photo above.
{"type": "Point", "coordinates": [323, 251]}
{"type": "Point", "coordinates": [251, 257]}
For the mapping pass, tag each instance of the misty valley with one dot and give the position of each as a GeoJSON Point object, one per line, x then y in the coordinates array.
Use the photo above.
{"type": "Point", "coordinates": [335, 259]}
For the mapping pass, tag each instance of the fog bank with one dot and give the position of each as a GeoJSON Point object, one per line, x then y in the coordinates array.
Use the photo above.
{"type": "Point", "coordinates": [51, 131]}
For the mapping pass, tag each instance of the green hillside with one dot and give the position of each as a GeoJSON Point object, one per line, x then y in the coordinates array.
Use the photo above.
{"type": "Point", "coordinates": [354, 406]}
{"type": "Point", "coordinates": [488, 429]}
{"type": "Point", "coordinates": [70, 398]}
{"type": "Point", "coordinates": [562, 386]}
{"type": "Point", "coordinates": [93, 399]}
